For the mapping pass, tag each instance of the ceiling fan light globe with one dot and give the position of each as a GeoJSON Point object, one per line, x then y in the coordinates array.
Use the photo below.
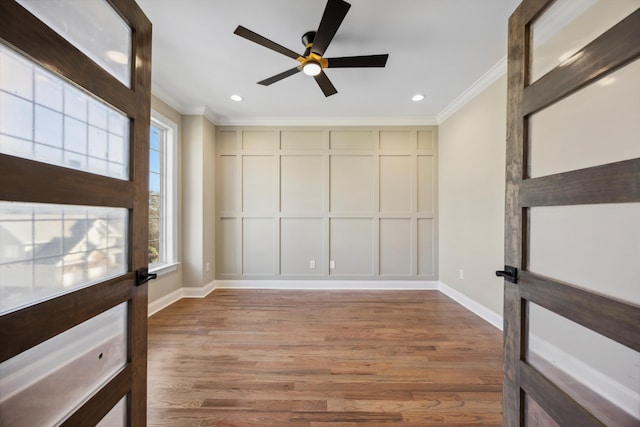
{"type": "Point", "coordinates": [311, 69]}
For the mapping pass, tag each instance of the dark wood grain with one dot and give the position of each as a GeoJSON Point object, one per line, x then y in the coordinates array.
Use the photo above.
{"type": "Point", "coordinates": [516, 76]}
{"type": "Point", "coordinates": [564, 410]}
{"type": "Point", "coordinates": [30, 326]}
{"type": "Point", "coordinates": [311, 359]}
{"type": "Point", "coordinates": [30, 181]}
{"type": "Point", "coordinates": [612, 318]}
{"type": "Point", "coordinates": [615, 48]}
{"type": "Point", "coordinates": [137, 403]}
{"type": "Point", "coordinates": [25, 180]}
{"type": "Point", "coordinates": [611, 183]}
{"type": "Point", "coordinates": [603, 409]}
{"type": "Point", "coordinates": [99, 405]}
{"type": "Point", "coordinates": [27, 33]}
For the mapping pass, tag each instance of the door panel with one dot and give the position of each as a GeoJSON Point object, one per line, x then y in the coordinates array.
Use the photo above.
{"type": "Point", "coordinates": [74, 225]}
{"type": "Point", "coordinates": [582, 131]}
{"type": "Point", "coordinates": [42, 385]}
{"type": "Point", "coordinates": [571, 196]}
{"type": "Point", "coordinates": [589, 245]}
{"type": "Point", "coordinates": [566, 26]}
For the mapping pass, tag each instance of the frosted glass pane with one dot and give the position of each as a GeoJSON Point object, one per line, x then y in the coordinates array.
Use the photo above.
{"type": "Point", "coordinates": [97, 143]}
{"type": "Point", "coordinates": [75, 103]}
{"type": "Point", "coordinates": [98, 115]}
{"type": "Point", "coordinates": [48, 90]}
{"type": "Point", "coordinates": [117, 123]}
{"type": "Point", "coordinates": [48, 154]}
{"type": "Point", "coordinates": [117, 417]}
{"type": "Point", "coordinates": [116, 149]}
{"type": "Point", "coordinates": [574, 356]}
{"type": "Point", "coordinates": [49, 250]}
{"type": "Point", "coordinates": [75, 161]}
{"type": "Point", "coordinates": [567, 26]}
{"type": "Point", "coordinates": [592, 246]}
{"type": "Point", "coordinates": [69, 127]}
{"type": "Point", "coordinates": [93, 27]}
{"type": "Point", "coordinates": [583, 130]}
{"type": "Point", "coordinates": [16, 116]}
{"type": "Point", "coordinates": [75, 136]}
{"type": "Point", "coordinates": [48, 129]}
{"type": "Point", "coordinates": [17, 77]}
{"type": "Point", "coordinates": [15, 146]}
{"type": "Point", "coordinates": [45, 384]}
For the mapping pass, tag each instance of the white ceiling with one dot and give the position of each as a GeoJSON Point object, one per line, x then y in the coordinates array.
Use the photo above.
{"type": "Point", "coordinates": [439, 48]}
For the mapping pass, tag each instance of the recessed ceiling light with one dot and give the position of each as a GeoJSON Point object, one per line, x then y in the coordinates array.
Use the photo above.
{"type": "Point", "coordinates": [417, 98]}
{"type": "Point", "coordinates": [236, 98]}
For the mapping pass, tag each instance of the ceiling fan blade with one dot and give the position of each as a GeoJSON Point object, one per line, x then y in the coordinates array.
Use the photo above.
{"type": "Point", "coordinates": [332, 17]}
{"type": "Point", "coordinates": [257, 38]}
{"type": "Point", "coordinates": [358, 61]}
{"type": "Point", "coordinates": [325, 84]}
{"type": "Point", "coordinates": [278, 77]}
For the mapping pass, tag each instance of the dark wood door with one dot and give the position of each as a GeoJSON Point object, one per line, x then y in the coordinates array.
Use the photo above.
{"type": "Point", "coordinates": [73, 213]}
{"type": "Point", "coordinates": [537, 392]}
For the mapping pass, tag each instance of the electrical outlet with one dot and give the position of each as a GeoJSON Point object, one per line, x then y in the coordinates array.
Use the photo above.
{"type": "Point", "coordinates": [332, 264]}
{"type": "Point", "coordinates": [312, 263]}
{"type": "Point", "coordinates": [461, 274]}
{"type": "Point", "coordinates": [208, 267]}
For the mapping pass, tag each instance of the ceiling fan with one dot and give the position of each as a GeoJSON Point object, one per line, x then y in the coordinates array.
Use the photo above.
{"type": "Point", "coordinates": [316, 42]}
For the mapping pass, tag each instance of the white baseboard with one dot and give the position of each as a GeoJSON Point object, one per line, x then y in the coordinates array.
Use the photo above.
{"type": "Point", "coordinates": [200, 292]}
{"type": "Point", "coordinates": [177, 295]}
{"type": "Point", "coordinates": [616, 393]}
{"type": "Point", "coordinates": [397, 285]}
{"type": "Point", "coordinates": [471, 305]}
{"type": "Point", "coordinates": [165, 301]}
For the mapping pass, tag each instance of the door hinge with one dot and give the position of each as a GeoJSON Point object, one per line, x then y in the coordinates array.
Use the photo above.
{"type": "Point", "coordinates": [509, 273]}
{"type": "Point", "coordinates": [143, 276]}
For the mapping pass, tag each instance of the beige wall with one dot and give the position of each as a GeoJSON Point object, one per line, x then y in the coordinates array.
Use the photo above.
{"type": "Point", "coordinates": [198, 201]}
{"type": "Point", "coordinates": [471, 163]}
{"type": "Point", "coordinates": [365, 198]}
{"type": "Point", "coordinates": [172, 281]}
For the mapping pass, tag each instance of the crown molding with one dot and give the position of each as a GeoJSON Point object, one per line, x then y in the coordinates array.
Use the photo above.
{"type": "Point", "coordinates": [474, 90]}
{"type": "Point", "coordinates": [167, 98]}
{"type": "Point", "coordinates": [326, 121]}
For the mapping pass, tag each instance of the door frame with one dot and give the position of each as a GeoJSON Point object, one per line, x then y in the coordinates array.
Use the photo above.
{"type": "Point", "coordinates": [617, 182]}
{"type": "Point", "coordinates": [24, 180]}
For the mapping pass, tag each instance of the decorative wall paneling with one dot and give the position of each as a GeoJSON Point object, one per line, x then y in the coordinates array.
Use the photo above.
{"type": "Point", "coordinates": [290, 200]}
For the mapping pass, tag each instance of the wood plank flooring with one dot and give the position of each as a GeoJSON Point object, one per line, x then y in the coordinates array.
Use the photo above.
{"type": "Point", "coordinates": [241, 358]}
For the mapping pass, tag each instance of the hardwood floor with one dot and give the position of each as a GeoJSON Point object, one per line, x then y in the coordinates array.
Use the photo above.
{"type": "Point", "coordinates": [316, 358]}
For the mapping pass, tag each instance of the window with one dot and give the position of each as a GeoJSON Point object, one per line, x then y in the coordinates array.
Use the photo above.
{"type": "Point", "coordinates": [162, 195]}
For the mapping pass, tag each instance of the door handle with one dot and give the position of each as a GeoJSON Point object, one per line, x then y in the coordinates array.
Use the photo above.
{"type": "Point", "coordinates": [143, 276]}
{"type": "Point", "coordinates": [509, 273]}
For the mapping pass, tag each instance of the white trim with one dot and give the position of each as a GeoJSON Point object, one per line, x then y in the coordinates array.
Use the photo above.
{"type": "Point", "coordinates": [199, 292]}
{"type": "Point", "coordinates": [165, 301]}
{"type": "Point", "coordinates": [165, 97]}
{"type": "Point", "coordinates": [169, 193]}
{"type": "Point", "coordinates": [471, 305]}
{"type": "Point", "coordinates": [162, 269]}
{"type": "Point", "coordinates": [325, 121]}
{"type": "Point", "coordinates": [397, 285]}
{"type": "Point", "coordinates": [616, 393]}
{"type": "Point", "coordinates": [474, 90]}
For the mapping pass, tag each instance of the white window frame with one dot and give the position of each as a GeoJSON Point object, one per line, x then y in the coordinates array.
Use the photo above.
{"type": "Point", "coordinates": [169, 196]}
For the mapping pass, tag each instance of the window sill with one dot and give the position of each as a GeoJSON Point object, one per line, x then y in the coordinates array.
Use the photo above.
{"type": "Point", "coordinates": [162, 269]}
